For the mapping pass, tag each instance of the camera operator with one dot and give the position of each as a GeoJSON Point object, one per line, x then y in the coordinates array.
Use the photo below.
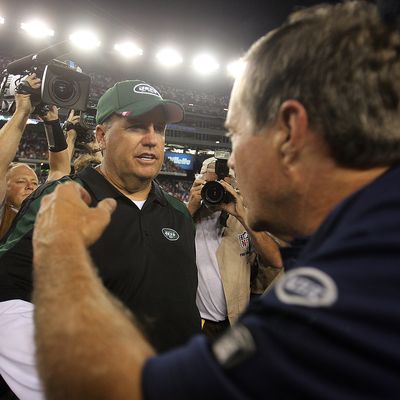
{"type": "Point", "coordinates": [17, 181]}
{"type": "Point", "coordinates": [233, 261]}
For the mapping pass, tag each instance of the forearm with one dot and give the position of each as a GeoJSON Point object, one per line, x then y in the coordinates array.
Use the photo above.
{"type": "Point", "coordinates": [71, 138]}
{"type": "Point", "coordinates": [10, 137]}
{"type": "Point", "coordinates": [78, 322]}
{"type": "Point", "coordinates": [266, 248]}
{"type": "Point", "coordinates": [59, 163]}
{"type": "Point", "coordinates": [192, 209]}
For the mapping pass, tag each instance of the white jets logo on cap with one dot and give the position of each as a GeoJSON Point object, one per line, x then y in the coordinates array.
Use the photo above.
{"type": "Point", "coordinates": [144, 88]}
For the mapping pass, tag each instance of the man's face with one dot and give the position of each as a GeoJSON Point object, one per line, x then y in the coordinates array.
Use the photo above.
{"type": "Point", "coordinates": [134, 148]}
{"type": "Point", "coordinates": [21, 182]}
{"type": "Point", "coordinates": [255, 160]}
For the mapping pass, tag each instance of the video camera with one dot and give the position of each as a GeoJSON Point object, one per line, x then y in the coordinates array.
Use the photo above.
{"type": "Point", "coordinates": [62, 84]}
{"type": "Point", "coordinates": [213, 193]}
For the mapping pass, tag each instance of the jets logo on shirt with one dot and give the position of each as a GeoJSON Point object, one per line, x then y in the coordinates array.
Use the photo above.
{"type": "Point", "coordinates": [307, 286]}
{"type": "Point", "coordinates": [244, 240]}
{"type": "Point", "coordinates": [170, 234]}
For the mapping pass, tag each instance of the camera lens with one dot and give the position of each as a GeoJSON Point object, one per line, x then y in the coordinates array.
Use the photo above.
{"type": "Point", "coordinates": [213, 193]}
{"type": "Point", "coordinates": [63, 89]}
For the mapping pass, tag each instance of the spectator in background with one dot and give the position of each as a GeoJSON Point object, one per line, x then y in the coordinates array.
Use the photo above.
{"type": "Point", "coordinates": [228, 254]}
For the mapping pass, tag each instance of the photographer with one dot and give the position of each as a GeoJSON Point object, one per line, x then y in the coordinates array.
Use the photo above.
{"type": "Point", "coordinates": [79, 133]}
{"type": "Point", "coordinates": [233, 261]}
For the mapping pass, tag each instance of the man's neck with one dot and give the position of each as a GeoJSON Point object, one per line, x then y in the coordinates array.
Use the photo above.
{"type": "Point", "coordinates": [131, 188]}
{"type": "Point", "coordinates": [334, 187]}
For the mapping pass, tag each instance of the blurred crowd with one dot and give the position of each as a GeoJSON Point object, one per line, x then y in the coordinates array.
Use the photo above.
{"type": "Point", "coordinates": [175, 187]}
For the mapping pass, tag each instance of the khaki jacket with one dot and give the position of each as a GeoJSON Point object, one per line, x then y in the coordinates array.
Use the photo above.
{"type": "Point", "coordinates": [236, 261]}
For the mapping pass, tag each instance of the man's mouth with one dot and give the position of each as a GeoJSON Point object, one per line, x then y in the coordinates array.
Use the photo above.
{"type": "Point", "coordinates": [146, 157]}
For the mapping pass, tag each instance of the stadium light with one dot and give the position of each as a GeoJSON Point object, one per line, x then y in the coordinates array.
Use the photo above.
{"type": "Point", "coordinates": [235, 68]}
{"type": "Point", "coordinates": [169, 57]}
{"type": "Point", "coordinates": [205, 64]}
{"type": "Point", "coordinates": [84, 40]}
{"type": "Point", "coordinates": [2, 20]}
{"type": "Point", "coordinates": [128, 49]}
{"type": "Point", "coordinates": [37, 29]}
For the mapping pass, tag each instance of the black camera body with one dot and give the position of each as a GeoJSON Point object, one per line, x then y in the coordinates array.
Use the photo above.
{"type": "Point", "coordinates": [62, 85]}
{"type": "Point", "coordinates": [88, 117]}
{"type": "Point", "coordinates": [86, 126]}
{"type": "Point", "coordinates": [213, 193]}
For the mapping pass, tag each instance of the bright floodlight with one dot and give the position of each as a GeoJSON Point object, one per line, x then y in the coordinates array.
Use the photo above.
{"type": "Point", "coordinates": [205, 64]}
{"type": "Point", "coordinates": [128, 49]}
{"type": "Point", "coordinates": [37, 29]}
{"type": "Point", "coordinates": [84, 40]}
{"type": "Point", "coordinates": [169, 57]}
{"type": "Point", "coordinates": [235, 68]}
{"type": "Point", "coordinates": [2, 20]}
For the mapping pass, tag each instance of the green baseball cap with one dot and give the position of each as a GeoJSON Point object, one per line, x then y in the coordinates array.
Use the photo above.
{"type": "Point", "coordinates": [135, 98]}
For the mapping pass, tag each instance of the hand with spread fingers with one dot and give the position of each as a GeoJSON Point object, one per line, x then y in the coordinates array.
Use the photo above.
{"type": "Point", "coordinates": [65, 217]}
{"type": "Point", "coordinates": [72, 118]}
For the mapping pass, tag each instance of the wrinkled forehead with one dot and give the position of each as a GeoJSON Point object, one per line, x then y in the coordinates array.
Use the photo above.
{"type": "Point", "coordinates": [238, 117]}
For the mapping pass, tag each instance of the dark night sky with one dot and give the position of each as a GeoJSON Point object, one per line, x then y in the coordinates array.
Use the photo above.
{"type": "Point", "coordinates": [225, 28]}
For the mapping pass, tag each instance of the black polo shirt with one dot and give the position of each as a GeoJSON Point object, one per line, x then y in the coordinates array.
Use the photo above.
{"type": "Point", "coordinates": [145, 257]}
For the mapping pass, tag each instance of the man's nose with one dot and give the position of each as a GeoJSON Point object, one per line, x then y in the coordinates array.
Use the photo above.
{"type": "Point", "coordinates": [231, 161]}
{"type": "Point", "coordinates": [150, 138]}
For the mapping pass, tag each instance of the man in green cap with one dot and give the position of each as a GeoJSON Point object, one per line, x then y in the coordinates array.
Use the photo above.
{"type": "Point", "coordinates": [146, 256]}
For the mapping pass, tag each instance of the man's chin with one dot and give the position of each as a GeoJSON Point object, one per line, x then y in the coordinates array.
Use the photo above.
{"type": "Point", "coordinates": [259, 224]}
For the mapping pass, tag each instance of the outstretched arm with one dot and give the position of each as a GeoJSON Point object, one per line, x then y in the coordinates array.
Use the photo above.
{"type": "Point", "coordinates": [87, 345]}
{"type": "Point", "coordinates": [11, 132]}
{"type": "Point", "coordinates": [59, 162]}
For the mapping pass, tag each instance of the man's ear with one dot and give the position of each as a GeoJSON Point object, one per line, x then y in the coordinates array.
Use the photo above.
{"type": "Point", "coordinates": [100, 135]}
{"type": "Point", "coordinates": [293, 120]}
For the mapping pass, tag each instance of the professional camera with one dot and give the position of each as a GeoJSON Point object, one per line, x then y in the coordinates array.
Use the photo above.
{"type": "Point", "coordinates": [62, 85]}
{"type": "Point", "coordinates": [88, 116]}
{"type": "Point", "coordinates": [86, 125]}
{"type": "Point", "coordinates": [213, 193]}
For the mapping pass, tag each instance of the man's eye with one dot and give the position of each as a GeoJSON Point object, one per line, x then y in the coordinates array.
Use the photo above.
{"type": "Point", "coordinates": [136, 127]}
{"type": "Point", "coordinates": [160, 128]}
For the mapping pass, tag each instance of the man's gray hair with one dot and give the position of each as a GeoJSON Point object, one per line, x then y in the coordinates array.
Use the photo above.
{"type": "Point", "coordinates": [343, 64]}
